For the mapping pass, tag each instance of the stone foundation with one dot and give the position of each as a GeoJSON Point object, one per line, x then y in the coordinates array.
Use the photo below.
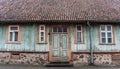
{"type": "Point", "coordinates": [102, 59]}
{"type": "Point", "coordinates": [99, 59]}
{"type": "Point", "coordinates": [24, 58]}
{"type": "Point", "coordinates": [80, 59]}
{"type": "Point", "coordinates": [42, 58]}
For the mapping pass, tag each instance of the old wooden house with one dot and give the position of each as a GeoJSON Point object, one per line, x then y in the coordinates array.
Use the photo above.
{"type": "Point", "coordinates": [44, 31]}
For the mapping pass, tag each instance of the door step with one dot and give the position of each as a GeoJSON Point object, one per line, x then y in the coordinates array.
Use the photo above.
{"type": "Point", "coordinates": [59, 64]}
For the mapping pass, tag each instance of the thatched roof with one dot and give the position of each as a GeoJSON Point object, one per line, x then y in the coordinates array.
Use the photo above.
{"type": "Point", "coordinates": [59, 9]}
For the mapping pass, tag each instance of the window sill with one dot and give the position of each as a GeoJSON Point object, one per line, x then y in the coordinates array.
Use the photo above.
{"type": "Point", "coordinates": [43, 43]}
{"type": "Point", "coordinates": [13, 43]}
{"type": "Point", "coordinates": [107, 44]}
{"type": "Point", "coordinates": [79, 43]}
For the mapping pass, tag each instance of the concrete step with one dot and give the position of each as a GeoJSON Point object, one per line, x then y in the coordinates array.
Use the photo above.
{"type": "Point", "coordinates": [59, 64]}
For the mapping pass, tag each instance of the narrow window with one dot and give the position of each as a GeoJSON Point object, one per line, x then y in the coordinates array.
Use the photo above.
{"type": "Point", "coordinates": [106, 34]}
{"type": "Point", "coordinates": [42, 33]}
{"type": "Point", "coordinates": [79, 34]}
{"type": "Point", "coordinates": [13, 33]}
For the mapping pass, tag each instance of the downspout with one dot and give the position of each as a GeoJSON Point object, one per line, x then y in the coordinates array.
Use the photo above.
{"type": "Point", "coordinates": [90, 39]}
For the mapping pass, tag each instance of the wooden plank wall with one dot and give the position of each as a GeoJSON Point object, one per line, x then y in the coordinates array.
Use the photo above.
{"type": "Point", "coordinates": [29, 40]}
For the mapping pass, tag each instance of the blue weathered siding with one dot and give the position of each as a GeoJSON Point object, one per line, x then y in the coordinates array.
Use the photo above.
{"type": "Point", "coordinates": [98, 47]}
{"type": "Point", "coordinates": [29, 40]}
{"type": "Point", "coordinates": [79, 47]}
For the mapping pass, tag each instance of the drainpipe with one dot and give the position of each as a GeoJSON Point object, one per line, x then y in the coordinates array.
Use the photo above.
{"type": "Point", "coordinates": [90, 39]}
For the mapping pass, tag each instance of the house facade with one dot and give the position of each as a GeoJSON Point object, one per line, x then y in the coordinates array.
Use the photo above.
{"type": "Point", "coordinates": [77, 31]}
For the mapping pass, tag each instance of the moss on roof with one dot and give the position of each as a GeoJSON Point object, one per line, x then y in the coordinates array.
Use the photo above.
{"type": "Point", "coordinates": [59, 9]}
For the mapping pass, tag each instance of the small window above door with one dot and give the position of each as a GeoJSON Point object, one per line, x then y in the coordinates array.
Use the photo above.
{"type": "Point", "coordinates": [60, 29]}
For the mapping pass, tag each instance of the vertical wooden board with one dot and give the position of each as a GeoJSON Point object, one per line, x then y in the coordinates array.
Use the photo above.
{"type": "Point", "coordinates": [78, 46]}
{"type": "Point", "coordinates": [44, 46]}
{"type": "Point", "coordinates": [55, 47]}
{"type": "Point", "coordinates": [2, 37]}
{"type": "Point", "coordinates": [28, 40]}
{"type": "Point", "coordinates": [109, 47]}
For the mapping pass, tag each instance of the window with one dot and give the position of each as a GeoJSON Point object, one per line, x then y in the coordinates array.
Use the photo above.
{"type": "Point", "coordinates": [106, 34]}
{"type": "Point", "coordinates": [13, 34]}
{"type": "Point", "coordinates": [62, 29]}
{"type": "Point", "coordinates": [79, 34]}
{"type": "Point", "coordinates": [42, 32]}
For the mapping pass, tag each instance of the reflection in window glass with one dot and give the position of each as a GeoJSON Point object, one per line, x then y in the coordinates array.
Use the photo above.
{"type": "Point", "coordinates": [108, 28]}
{"type": "Point", "coordinates": [54, 29]}
{"type": "Point", "coordinates": [42, 34]}
{"type": "Point", "coordinates": [78, 36]}
{"type": "Point", "coordinates": [59, 29]}
{"type": "Point", "coordinates": [13, 28]}
{"type": "Point", "coordinates": [42, 38]}
{"type": "Point", "coordinates": [103, 40]}
{"type": "Point", "coordinates": [103, 34]}
{"type": "Point", "coordinates": [42, 27]}
{"type": "Point", "coordinates": [13, 34]}
{"type": "Point", "coordinates": [109, 35]}
{"type": "Point", "coordinates": [16, 36]}
{"type": "Point", "coordinates": [109, 40]}
{"type": "Point", "coordinates": [103, 27]}
{"type": "Point", "coordinates": [106, 34]}
{"type": "Point", "coordinates": [78, 28]}
{"type": "Point", "coordinates": [64, 29]}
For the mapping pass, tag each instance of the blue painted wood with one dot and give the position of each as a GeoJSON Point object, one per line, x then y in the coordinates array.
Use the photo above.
{"type": "Point", "coordinates": [29, 40]}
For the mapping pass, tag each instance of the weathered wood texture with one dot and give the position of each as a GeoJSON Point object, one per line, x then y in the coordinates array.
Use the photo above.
{"type": "Point", "coordinates": [110, 47]}
{"type": "Point", "coordinates": [95, 40]}
{"type": "Point", "coordinates": [29, 40]}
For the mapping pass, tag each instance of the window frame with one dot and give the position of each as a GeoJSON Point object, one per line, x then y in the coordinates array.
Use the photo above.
{"type": "Point", "coordinates": [39, 34]}
{"type": "Point", "coordinates": [82, 34]}
{"type": "Point", "coordinates": [106, 36]}
{"type": "Point", "coordinates": [13, 31]}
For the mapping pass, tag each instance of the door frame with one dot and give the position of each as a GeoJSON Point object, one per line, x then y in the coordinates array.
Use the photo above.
{"type": "Point", "coordinates": [50, 40]}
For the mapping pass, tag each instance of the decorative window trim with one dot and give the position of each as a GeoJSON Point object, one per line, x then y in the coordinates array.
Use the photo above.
{"type": "Point", "coordinates": [112, 33]}
{"type": "Point", "coordinates": [8, 33]}
{"type": "Point", "coordinates": [39, 35]}
{"type": "Point", "coordinates": [82, 34]}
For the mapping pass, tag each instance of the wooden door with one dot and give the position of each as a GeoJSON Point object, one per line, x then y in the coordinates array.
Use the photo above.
{"type": "Point", "coordinates": [60, 44]}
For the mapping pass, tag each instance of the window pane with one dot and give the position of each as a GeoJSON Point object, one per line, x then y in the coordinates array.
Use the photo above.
{"type": "Point", "coordinates": [79, 28]}
{"type": "Point", "coordinates": [109, 35]}
{"type": "Point", "coordinates": [103, 34]}
{"type": "Point", "coordinates": [42, 28]}
{"type": "Point", "coordinates": [64, 29]}
{"type": "Point", "coordinates": [54, 29]}
{"type": "Point", "coordinates": [78, 36]}
{"type": "Point", "coordinates": [16, 36]}
{"type": "Point", "coordinates": [42, 38]}
{"type": "Point", "coordinates": [11, 34]}
{"type": "Point", "coordinates": [13, 28]}
{"type": "Point", "coordinates": [108, 28]}
{"type": "Point", "coordinates": [109, 40]}
{"type": "Point", "coordinates": [59, 29]}
{"type": "Point", "coordinates": [103, 27]}
{"type": "Point", "coordinates": [42, 34]}
{"type": "Point", "coordinates": [103, 40]}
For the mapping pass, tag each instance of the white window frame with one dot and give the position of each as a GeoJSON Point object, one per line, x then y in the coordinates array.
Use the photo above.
{"type": "Point", "coordinates": [106, 36]}
{"type": "Point", "coordinates": [43, 34]}
{"type": "Point", "coordinates": [13, 31]}
{"type": "Point", "coordinates": [81, 34]}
